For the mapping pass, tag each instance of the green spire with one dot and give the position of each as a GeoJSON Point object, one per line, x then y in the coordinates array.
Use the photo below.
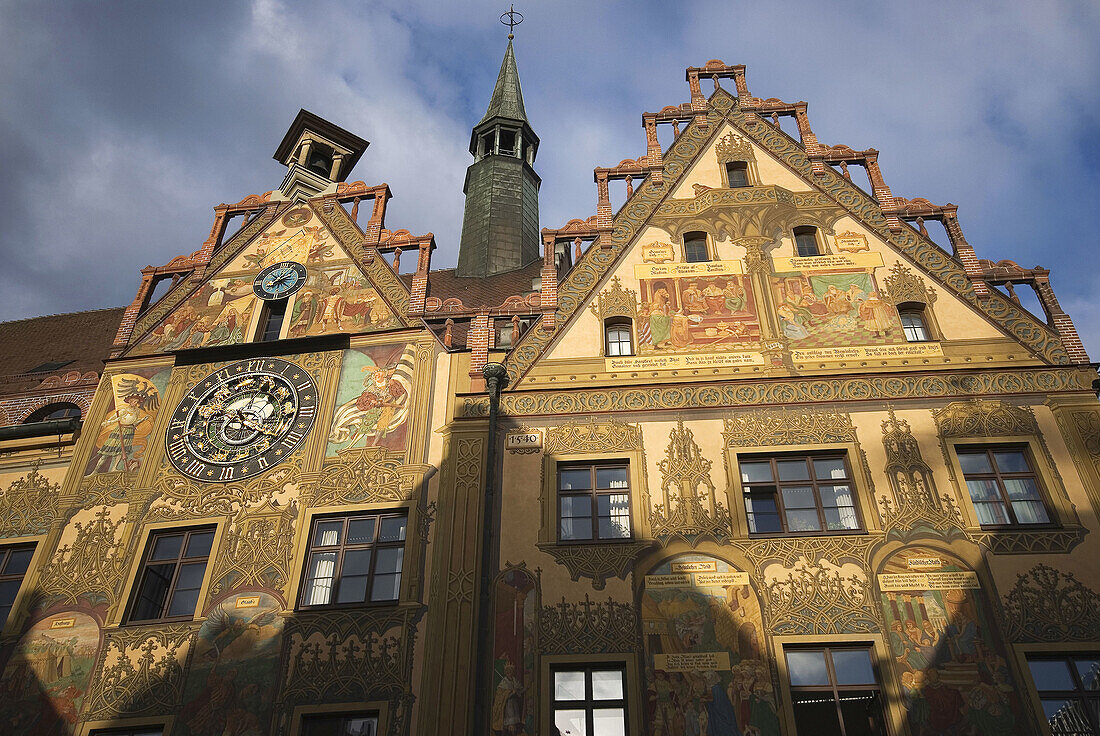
{"type": "Point", "coordinates": [507, 99]}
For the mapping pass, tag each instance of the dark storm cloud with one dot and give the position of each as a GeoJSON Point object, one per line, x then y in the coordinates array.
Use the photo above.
{"type": "Point", "coordinates": [123, 124]}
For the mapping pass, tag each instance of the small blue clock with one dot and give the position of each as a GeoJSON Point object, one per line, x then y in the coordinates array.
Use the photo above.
{"type": "Point", "coordinates": [280, 280]}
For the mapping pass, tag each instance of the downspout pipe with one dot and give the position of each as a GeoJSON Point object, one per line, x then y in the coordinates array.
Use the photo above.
{"type": "Point", "coordinates": [51, 427]}
{"type": "Point", "coordinates": [495, 378]}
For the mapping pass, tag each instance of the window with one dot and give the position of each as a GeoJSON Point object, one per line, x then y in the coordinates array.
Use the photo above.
{"type": "Point", "coordinates": [834, 692]}
{"type": "Point", "coordinates": [271, 321]}
{"type": "Point", "coordinates": [805, 241]}
{"type": "Point", "coordinates": [48, 367]}
{"type": "Point", "coordinates": [695, 248]}
{"type": "Point", "coordinates": [507, 143]}
{"type": "Point", "coordinates": [594, 502]}
{"type": "Point", "coordinates": [14, 562]}
{"type": "Point", "coordinates": [53, 411]}
{"type": "Point", "coordinates": [171, 574]}
{"type": "Point", "coordinates": [1003, 486]}
{"type": "Point", "coordinates": [799, 493]}
{"type": "Point", "coordinates": [912, 321]}
{"type": "Point", "coordinates": [737, 174]}
{"type": "Point", "coordinates": [1069, 689]}
{"type": "Point", "coordinates": [340, 724]}
{"type": "Point", "coordinates": [619, 339]}
{"type": "Point", "coordinates": [590, 701]}
{"type": "Point", "coordinates": [135, 731]}
{"type": "Point", "coordinates": [355, 559]}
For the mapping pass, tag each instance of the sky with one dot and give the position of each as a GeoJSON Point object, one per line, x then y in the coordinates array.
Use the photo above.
{"type": "Point", "coordinates": [122, 124]}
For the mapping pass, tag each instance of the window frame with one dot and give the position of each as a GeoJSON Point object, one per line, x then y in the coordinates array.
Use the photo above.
{"type": "Point", "coordinates": [618, 323]}
{"type": "Point", "coordinates": [834, 688]}
{"type": "Point", "coordinates": [116, 726]}
{"type": "Point", "coordinates": [345, 715]}
{"type": "Point", "coordinates": [1080, 693]}
{"type": "Point", "coordinates": [133, 589]}
{"type": "Point", "coordinates": [309, 549]}
{"type": "Point", "coordinates": [818, 236]}
{"type": "Point", "coordinates": [41, 415]}
{"type": "Point", "coordinates": [920, 314]}
{"type": "Point", "coordinates": [813, 481]}
{"type": "Point", "coordinates": [594, 493]}
{"type": "Point", "coordinates": [963, 447]}
{"type": "Point", "coordinates": [6, 548]}
{"type": "Point", "coordinates": [378, 708]}
{"type": "Point", "coordinates": [739, 165]}
{"type": "Point", "coordinates": [626, 661]}
{"type": "Point", "coordinates": [706, 246]}
{"type": "Point", "coordinates": [266, 312]}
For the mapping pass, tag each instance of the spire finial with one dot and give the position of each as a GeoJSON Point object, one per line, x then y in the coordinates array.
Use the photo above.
{"type": "Point", "coordinates": [514, 19]}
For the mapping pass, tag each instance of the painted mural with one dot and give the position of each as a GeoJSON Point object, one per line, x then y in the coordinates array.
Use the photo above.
{"type": "Point", "coordinates": [953, 671]}
{"type": "Point", "coordinates": [123, 435]}
{"type": "Point", "coordinates": [697, 314]}
{"type": "Point", "coordinates": [372, 402]}
{"type": "Point", "coordinates": [837, 307]}
{"type": "Point", "coordinates": [236, 658]}
{"type": "Point", "coordinates": [515, 690]}
{"type": "Point", "coordinates": [43, 686]}
{"type": "Point", "coordinates": [707, 668]}
{"type": "Point", "coordinates": [219, 313]}
{"type": "Point", "coordinates": [339, 300]}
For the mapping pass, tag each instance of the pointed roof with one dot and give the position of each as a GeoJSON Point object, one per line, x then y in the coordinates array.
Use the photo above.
{"type": "Point", "coordinates": [507, 101]}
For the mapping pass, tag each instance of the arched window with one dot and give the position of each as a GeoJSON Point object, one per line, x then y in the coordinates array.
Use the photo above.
{"type": "Point", "coordinates": [914, 324]}
{"type": "Point", "coordinates": [695, 247]}
{"type": "Point", "coordinates": [618, 339]}
{"type": "Point", "coordinates": [737, 174]}
{"type": "Point", "coordinates": [805, 241]}
{"type": "Point", "coordinates": [60, 410]}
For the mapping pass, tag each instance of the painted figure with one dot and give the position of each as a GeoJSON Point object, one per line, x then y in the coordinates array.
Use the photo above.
{"type": "Point", "coordinates": [876, 315]}
{"type": "Point", "coordinates": [660, 320]}
{"type": "Point", "coordinates": [124, 434]}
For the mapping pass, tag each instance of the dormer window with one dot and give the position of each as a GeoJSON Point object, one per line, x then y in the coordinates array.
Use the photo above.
{"type": "Point", "coordinates": [695, 248]}
{"type": "Point", "coordinates": [62, 410]}
{"type": "Point", "coordinates": [805, 241]}
{"type": "Point", "coordinates": [737, 174]}
{"type": "Point", "coordinates": [914, 325]}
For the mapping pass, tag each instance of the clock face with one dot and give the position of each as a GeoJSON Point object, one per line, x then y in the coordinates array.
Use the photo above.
{"type": "Point", "coordinates": [242, 420]}
{"type": "Point", "coordinates": [280, 280]}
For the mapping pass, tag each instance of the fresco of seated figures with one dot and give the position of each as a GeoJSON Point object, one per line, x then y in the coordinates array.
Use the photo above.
{"type": "Point", "coordinates": [372, 401]}
{"type": "Point", "coordinates": [953, 670]}
{"type": "Point", "coordinates": [707, 667]}
{"type": "Point", "coordinates": [338, 300]}
{"type": "Point", "coordinates": [697, 314]}
{"type": "Point", "coordinates": [123, 436]}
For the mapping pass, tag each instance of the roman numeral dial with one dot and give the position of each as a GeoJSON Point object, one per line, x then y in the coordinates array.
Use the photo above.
{"type": "Point", "coordinates": [242, 420]}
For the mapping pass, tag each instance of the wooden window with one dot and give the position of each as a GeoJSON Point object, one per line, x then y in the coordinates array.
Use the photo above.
{"type": "Point", "coordinates": [737, 174]}
{"type": "Point", "coordinates": [799, 493]}
{"type": "Point", "coordinates": [593, 502]}
{"type": "Point", "coordinates": [134, 731]}
{"type": "Point", "coordinates": [835, 692]}
{"type": "Point", "coordinates": [618, 338]}
{"type": "Point", "coordinates": [912, 322]}
{"type": "Point", "coordinates": [340, 724]}
{"type": "Point", "coordinates": [695, 248]}
{"type": "Point", "coordinates": [14, 561]}
{"type": "Point", "coordinates": [171, 574]}
{"type": "Point", "coordinates": [1069, 690]}
{"type": "Point", "coordinates": [805, 241]}
{"type": "Point", "coordinates": [589, 700]}
{"type": "Point", "coordinates": [1003, 486]}
{"type": "Point", "coordinates": [355, 559]}
{"type": "Point", "coordinates": [271, 321]}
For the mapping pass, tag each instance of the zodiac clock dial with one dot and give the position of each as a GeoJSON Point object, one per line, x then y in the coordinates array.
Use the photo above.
{"type": "Point", "coordinates": [242, 420]}
{"type": "Point", "coordinates": [279, 280]}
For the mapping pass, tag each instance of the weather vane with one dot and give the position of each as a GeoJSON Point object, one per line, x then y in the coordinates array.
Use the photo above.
{"type": "Point", "coordinates": [514, 19]}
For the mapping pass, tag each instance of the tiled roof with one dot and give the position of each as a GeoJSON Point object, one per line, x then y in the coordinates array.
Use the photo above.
{"type": "Point", "coordinates": [487, 291]}
{"type": "Point", "coordinates": [81, 337]}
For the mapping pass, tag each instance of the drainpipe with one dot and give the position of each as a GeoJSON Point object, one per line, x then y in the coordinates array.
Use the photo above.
{"type": "Point", "coordinates": [40, 429]}
{"type": "Point", "coordinates": [495, 378]}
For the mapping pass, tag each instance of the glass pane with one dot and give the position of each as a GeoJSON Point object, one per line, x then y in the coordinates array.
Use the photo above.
{"type": "Point", "coordinates": [983, 490]}
{"type": "Point", "coordinates": [576, 528]}
{"type": "Point", "coordinates": [352, 589]}
{"type": "Point", "coordinates": [167, 548]}
{"type": "Point", "coordinates": [183, 602]}
{"type": "Point", "coordinates": [764, 523]}
{"type": "Point", "coordinates": [807, 668]}
{"type": "Point", "coordinates": [815, 714]}
{"type": "Point", "coordinates": [609, 722]}
{"type": "Point", "coordinates": [191, 575]}
{"type": "Point", "coordinates": [853, 667]}
{"type": "Point", "coordinates": [570, 722]}
{"type": "Point", "coordinates": [756, 472]}
{"type": "Point", "coordinates": [1030, 512]}
{"type": "Point", "coordinates": [611, 478]}
{"type": "Point", "coordinates": [1066, 717]}
{"type": "Point", "coordinates": [803, 521]}
{"type": "Point", "coordinates": [836, 496]}
{"type": "Point", "coordinates": [799, 497]}
{"type": "Point", "coordinates": [613, 527]}
{"type": "Point", "coordinates": [198, 545]}
{"type": "Point", "coordinates": [830, 468]}
{"type": "Point", "coordinates": [607, 685]}
{"type": "Point", "coordinates": [19, 561]}
{"type": "Point", "coordinates": [1011, 461]}
{"type": "Point", "coordinates": [319, 586]}
{"type": "Point", "coordinates": [360, 727]}
{"type": "Point", "coordinates": [389, 560]}
{"type": "Point", "coordinates": [153, 592]}
{"type": "Point", "coordinates": [840, 518]}
{"type": "Point", "coordinates": [148, 732]}
{"type": "Point", "coordinates": [862, 713]}
{"type": "Point", "coordinates": [613, 504]}
{"type": "Point", "coordinates": [8, 591]}
{"type": "Point", "coordinates": [356, 562]}
{"type": "Point", "coordinates": [991, 513]}
{"type": "Point", "coordinates": [574, 479]}
{"type": "Point", "coordinates": [328, 533]}
{"type": "Point", "coordinates": [1089, 669]}
{"type": "Point", "coordinates": [793, 470]}
{"type": "Point", "coordinates": [576, 506]}
{"type": "Point", "coordinates": [1021, 488]}
{"type": "Point", "coordinates": [361, 531]}
{"type": "Point", "coordinates": [1051, 674]}
{"type": "Point", "coordinates": [569, 686]}
{"type": "Point", "coordinates": [392, 529]}
{"type": "Point", "coordinates": [975, 462]}
{"type": "Point", "coordinates": [386, 587]}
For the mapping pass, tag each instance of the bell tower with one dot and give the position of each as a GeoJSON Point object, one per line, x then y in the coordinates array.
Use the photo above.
{"type": "Point", "coordinates": [500, 227]}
